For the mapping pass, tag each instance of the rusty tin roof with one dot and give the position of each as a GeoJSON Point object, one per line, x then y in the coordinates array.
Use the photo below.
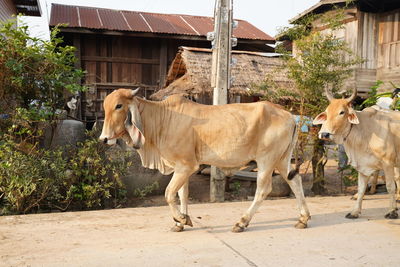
{"type": "Point", "coordinates": [134, 21]}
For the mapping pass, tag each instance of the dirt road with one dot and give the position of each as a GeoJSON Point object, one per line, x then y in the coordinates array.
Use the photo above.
{"type": "Point", "coordinates": [141, 237]}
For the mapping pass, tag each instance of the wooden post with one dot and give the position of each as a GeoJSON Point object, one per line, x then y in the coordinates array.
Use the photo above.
{"type": "Point", "coordinates": [78, 65]}
{"type": "Point", "coordinates": [163, 63]}
{"type": "Point", "coordinates": [220, 79]}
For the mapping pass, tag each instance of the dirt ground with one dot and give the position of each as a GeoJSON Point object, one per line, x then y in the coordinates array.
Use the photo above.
{"type": "Point", "coordinates": [141, 236]}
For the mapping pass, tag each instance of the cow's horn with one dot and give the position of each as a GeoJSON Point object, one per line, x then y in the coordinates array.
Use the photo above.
{"type": "Point", "coordinates": [328, 94]}
{"type": "Point", "coordinates": [134, 92]}
{"type": "Point", "coordinates": [353, 95]}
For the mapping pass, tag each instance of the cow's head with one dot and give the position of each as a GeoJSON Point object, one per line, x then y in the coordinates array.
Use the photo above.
{"type": "Point", "coordinates": [122, 118]}
{"type": "Point", "coordinates": [336, 120]}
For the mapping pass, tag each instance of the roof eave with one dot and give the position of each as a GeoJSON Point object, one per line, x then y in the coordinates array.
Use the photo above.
{"type": "Point", "coordinates": [151, 34]}
{"type": "Point", "coordinates": [317, 8]}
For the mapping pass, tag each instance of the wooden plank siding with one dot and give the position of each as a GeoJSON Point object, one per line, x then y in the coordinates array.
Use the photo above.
{"type": "Point", "coordinates": [367, 39]}
{"type": "Point", "coordinates": [366, 48]}
{"type": "Point", "coordinates": [388, 69]}
{"type": "Point", "coordinates": [7, 9]}
{"type": "Point", "coordinates": [113, 62]}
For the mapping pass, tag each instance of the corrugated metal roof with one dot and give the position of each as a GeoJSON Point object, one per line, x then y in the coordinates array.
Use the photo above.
{"type": "Point", "coordinates": [122, 20]}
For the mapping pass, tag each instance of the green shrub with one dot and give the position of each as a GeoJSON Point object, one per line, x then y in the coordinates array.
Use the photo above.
{"type": "Point", "coordinates": [35, 76]}
{"type": "Point", "coordinates": [36, 71]}
{"type": "Point", "coordinates": [148, 189]}
{"type": "Point", "coordinates": [95, 177]}
{"type": "Point", "coordinates": [29, 180]}
{"type": "Point", "coordinates": [80, 178]}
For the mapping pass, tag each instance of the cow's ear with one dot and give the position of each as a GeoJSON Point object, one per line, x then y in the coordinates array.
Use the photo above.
{"type": "Point", "coordinates": [353, 117]}
{"type": "Point", "coordinates": [133, 125]}
{"type": "Point", "coordinates": [320, 119]}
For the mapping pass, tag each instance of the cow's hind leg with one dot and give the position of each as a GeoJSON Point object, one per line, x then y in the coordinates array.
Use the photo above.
{"type": "Point", "coordinates": [397, 180]}
{"type": "Point", "coordinates": [374, 181]}
{"type": "Point", "coordinates": [295, 184]}
{"type": "Point", "coordinates": [264, 187]}
{"type": "Point", "coordinates": [179, 181]}
{"type": "Point", "coordinates": [391, 188]}
{"type": "Point", "coordinates": [362, 186]}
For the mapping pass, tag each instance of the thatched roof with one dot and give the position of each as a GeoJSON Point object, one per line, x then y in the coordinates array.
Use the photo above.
{"type": "Point", "coordinates": [190, 73]}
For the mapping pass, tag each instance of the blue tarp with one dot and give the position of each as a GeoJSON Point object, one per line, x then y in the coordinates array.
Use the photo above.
{"type": "Point", "coordinates": [307, 122]}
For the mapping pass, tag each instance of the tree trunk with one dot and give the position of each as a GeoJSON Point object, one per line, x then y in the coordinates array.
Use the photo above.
{"type": "Point", "coordinates": [318, 167]}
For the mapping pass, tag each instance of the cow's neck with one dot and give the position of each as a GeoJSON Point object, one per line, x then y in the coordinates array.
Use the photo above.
{"type": "Point", "coordinates": [153, 115]}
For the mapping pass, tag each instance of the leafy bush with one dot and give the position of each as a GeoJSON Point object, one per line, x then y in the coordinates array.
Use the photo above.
{"type": "Point", "coordinates": [35, 76]}
{"type": "Point", "coordinates": [373, 96]}
{"type": "Point", "coordinates": [96, 177]}
{"type": "Point", "coordinates": [148, 189]}
{"type": "Point", "coordinates": [35, 70]}
{"type": "Point", "coordinates": [28, 180]}
{"type": "Point", "coordinates": [81, 178]}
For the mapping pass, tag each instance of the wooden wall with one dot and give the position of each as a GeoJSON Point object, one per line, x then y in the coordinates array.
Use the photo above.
{"type": "Point", "coordinates": [113, 62]}
{"type": "Point", "coordinates": [367, 39]}
{"type": "Point", "coordinates": [376, 38]}
{"type": "Point", "coordinates": [388, 67]}
{"type": "Point", "coordinates": [366, 48]}
{"type": "Point", "coordinates": [7, 9]}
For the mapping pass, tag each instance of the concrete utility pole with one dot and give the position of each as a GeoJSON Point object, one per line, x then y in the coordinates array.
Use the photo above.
{"type": "Point", "coordinates": [220, 78]}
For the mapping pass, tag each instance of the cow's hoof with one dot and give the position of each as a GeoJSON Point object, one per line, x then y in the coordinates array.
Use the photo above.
{"type": "Point", "coordinates": [300, 225]}
{"type": "Point", "coordinates": [188, 221]}
{"type": "Point", "coordinates": [237, 228]}
{"type": "Point", "coordinates": [177, 228]}
{"type": "Point", "coordinates": [392, 215]}
{"type": "Point", "coordinates": [351, 216]}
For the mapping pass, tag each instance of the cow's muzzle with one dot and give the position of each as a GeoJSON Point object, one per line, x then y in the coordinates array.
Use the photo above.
{"type": "Point", "coordinates": [325, 136]}
{"type": "Point", "coordinates": [107, 140]}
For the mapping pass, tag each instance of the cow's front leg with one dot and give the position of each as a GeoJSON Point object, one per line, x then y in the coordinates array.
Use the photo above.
{"type": "Point", "coordinates": [183, 193]}
{"type": "Point", "coordinates": [391, 188]}
{"type": "Point", "coordinates": [179, 181]}
{"type": "Point", "coordinates": [374, 182]}
{"type": "Point", "coordinates": [362, 186]}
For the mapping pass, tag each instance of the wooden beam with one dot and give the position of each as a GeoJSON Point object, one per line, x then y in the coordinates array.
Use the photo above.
{"type": "Point", "coordinates": [163, 63]}
{"type": "Point", "coordinates": [77, 53]}
{"type": "Point", "coordinates": [134, 34]}
{"type": "Point", "coordinates": [121, 85]}
{"type": "Point", "coordinates": [121, 60]}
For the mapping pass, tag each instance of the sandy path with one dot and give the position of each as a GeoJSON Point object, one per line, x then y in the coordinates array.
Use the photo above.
{"type": "Point", "coordinates": [141, 237]}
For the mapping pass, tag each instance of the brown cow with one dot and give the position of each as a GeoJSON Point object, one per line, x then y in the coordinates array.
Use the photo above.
{"type": "Point", "coordinates": [177, 135]}
{"type": "Point", "coordinates": [371, 139]}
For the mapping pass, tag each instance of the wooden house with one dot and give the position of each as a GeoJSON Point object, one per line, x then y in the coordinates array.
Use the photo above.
{"type": "Point", "coordinates": [190, 74]}
{"type": "Point", "coordinates": [131, 49]}
{"type": "Point", "coordinates": [372, 30]}
{"type": "Point", "coordinates": [8, 8]}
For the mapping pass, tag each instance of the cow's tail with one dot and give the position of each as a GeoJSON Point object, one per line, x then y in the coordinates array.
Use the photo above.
{"type": "Point", "coordinates": [292, 145]}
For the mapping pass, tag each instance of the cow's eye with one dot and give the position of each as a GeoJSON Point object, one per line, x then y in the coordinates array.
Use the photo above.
{"type": "Point", "coordinates": [341, 112]}
{"type": "Point", "coordinates": [118, 106]}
